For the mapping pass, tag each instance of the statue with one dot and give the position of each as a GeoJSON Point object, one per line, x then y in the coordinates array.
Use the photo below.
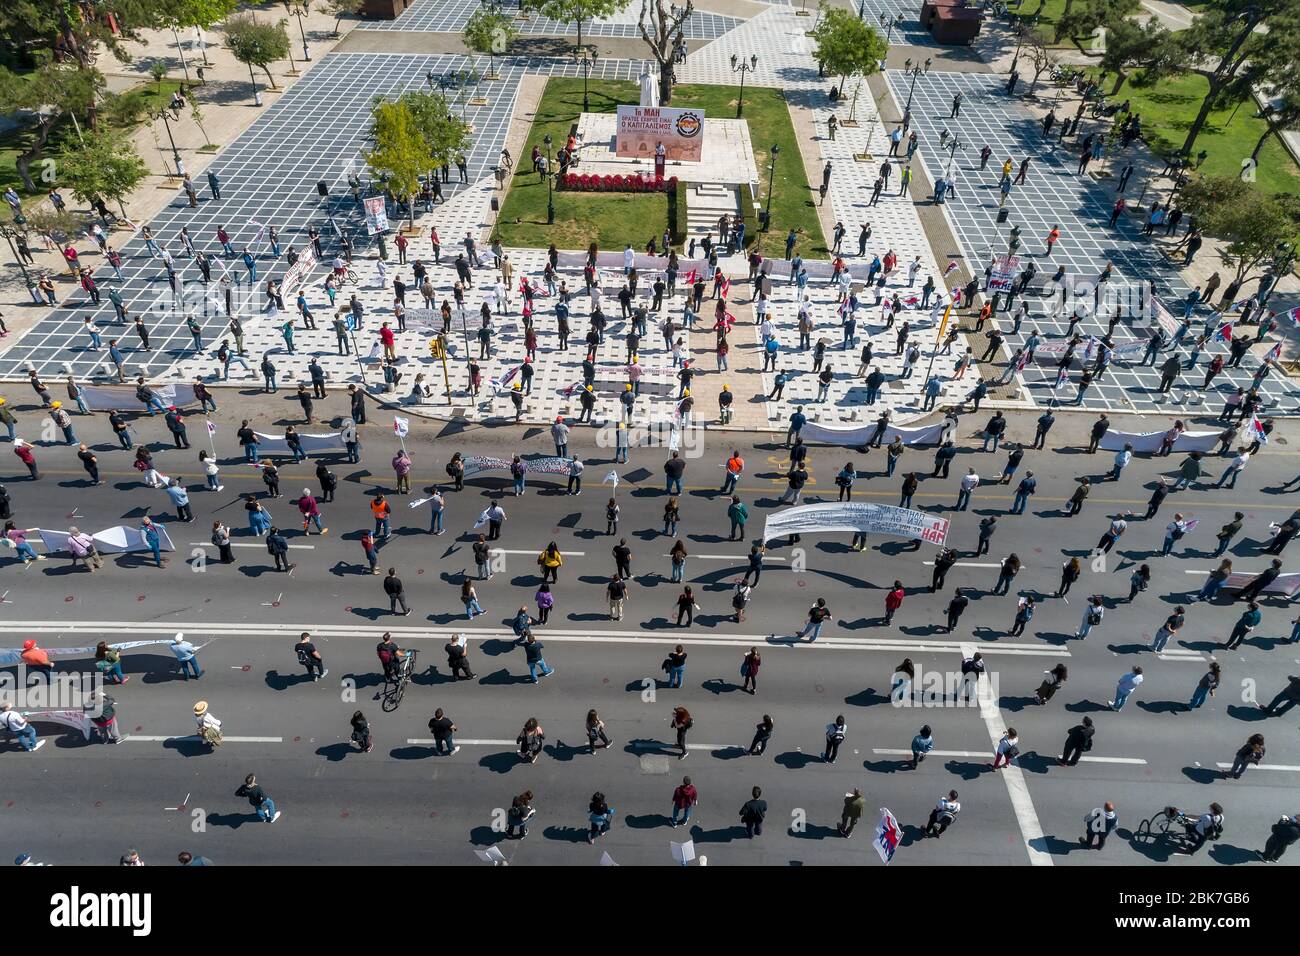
{"type": "Point", "coordinates": [649, 88]}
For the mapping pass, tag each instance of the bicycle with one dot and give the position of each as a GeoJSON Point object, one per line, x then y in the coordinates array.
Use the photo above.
{"type": "Point", "coordinates": [1169, 823]}
{"type": "Point", "coordinates": [345, 275]}
{"type": "Point", "coordinates": [392, 698]}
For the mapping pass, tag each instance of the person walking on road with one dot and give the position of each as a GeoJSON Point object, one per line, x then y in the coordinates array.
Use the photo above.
{"type": "Point", "coordinates": [1078, 740]}
{"type": "Point", "coordinates": [396, 593]}
{"type": "Point", "coordinates": [681, 723]}
{"type": "Point", "coordinates": [835, 732]}
{"type": "Point", "coordinates": [258, 799]}
{"type": "Point", "coordinates": [1099, 824]}
{"type": "Point", "coordinates": [855, 804]}
{"type": "Point", "coordinates": [1249, 754]}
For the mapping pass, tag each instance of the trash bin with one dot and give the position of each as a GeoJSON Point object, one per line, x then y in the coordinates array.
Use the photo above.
{"type": "Point", "coordinates": [1003, 213]}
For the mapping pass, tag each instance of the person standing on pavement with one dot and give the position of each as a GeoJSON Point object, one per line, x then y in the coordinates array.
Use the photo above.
{"type": "Point", "coordinates": [1077, 741]}
{"type": "Point", "coordinates": [1124, 688]}
{"type": "Point", "coordinates": [681, 722]}
{"type": "Point", "coordinates": [1206, 686]}
{"type": "Point", "coordinates": [855, 805]}
{"type": "Point", "coordinates": [753, 812]}
{"type": "Point", "coordinates": [835, 733]}
{"type": "Point", "coordinates": [309, 657]}
{"type": "Point", "coordinates": [1099, 824]}
{"type": "Point", "coordinates": [1250, 753]}
{"type": "Point", "coordinates": [258, 799]}
{"type": "Point", "coordinates": [685, 797]}
{"type": "Point", "coordinates": [1248, 621]}
{"type": "Point", "coordinates": [443, 728]}
{"type": "Point", "coordinates": [396, 593]}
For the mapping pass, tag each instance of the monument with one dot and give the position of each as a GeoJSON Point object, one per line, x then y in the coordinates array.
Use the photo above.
{"type": "Point", "coordinates": [649, 88]}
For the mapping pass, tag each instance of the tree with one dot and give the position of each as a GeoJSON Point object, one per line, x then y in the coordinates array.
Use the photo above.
{"type": "Point", "coordinates": [400, 153]}
{"type": "Point", "coordinates": [45, 97]}
{"type": "Point", "coordinates": [846, 46]}
{"type": "Point", "coordinates": [1274, 70]}
{"type": "Point", "coordinates": [179, 14]}
{"type": "Point", "coordinates": [1039, 61]}
{"type": "Point", "coordinates": [343, 8]}
{"type": "Point", "coordinates": [57, 227]}
{"type": "Point", "coordinates": [1250, 223]}
{"type": "Point", "coordinates": [1083, 21]}
{"type": "Point", "coordinates": [257, 44]}
{"type": "Point", "coordinates": [1130, 45]}
{"type": "Point", "coordinates": [1225, 36]}
{"type": "Point", "coordinates": [446, 134]}
{"type": "Point", "coordinates": [196, 114]}
{"type": "Point", "coordinates": [105, 165]}
{"type": "Point", "coordinates": [577, 11]}
{"type": "Point", "coordinates": [490, 31]}
{"type": "Point", "coordinates": [660, 28]}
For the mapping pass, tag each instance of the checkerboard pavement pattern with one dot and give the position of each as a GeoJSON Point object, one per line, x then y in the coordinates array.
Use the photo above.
{"type": "Point", "coordinates": [1080, 206]}
{"type": "Point", "coordinates": [450, 16]}
{"type": "Point", "coordinates": [267, 176]}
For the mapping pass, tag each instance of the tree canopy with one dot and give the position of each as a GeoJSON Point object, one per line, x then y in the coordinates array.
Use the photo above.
{"type": "Point", "coordinates": [1250, 223]}
{"type": "Point", "coordinates": [846, 46]}
{"type": "Point", "coordinates": [401, 153]}
{"type": "Point", "coordinates": [491, 32]}
{"type": "Point", "coordinates": [257, 44]}
{"type": "Point", "coordinates": [105, 165]}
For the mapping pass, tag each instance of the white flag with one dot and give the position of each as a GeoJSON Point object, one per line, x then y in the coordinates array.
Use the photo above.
{"type": "Point", "coordinates": [212, 427]}
{"type": "Point", "coordinates": [401, 426]}
{"type": "Point", "coordinates": [611, 478]}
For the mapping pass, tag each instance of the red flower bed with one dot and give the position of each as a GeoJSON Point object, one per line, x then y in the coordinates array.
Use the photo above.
{"type": "Point", "coordinates": [585, 182]}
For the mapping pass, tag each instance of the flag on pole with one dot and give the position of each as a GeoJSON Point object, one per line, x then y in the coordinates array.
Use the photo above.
{"type": "Point", "coordinates": [1274, 353]}
{"type": "Point", "coordinates": [1224, 333]}
{"type": "Point", "coordinates": [887, 836]}
{"type": "Point", "coordinates": [611, 478]}
{"type": "Point", "coordinates": [401, 426]}
{"type": "Point", "coordinates": [1294, 316]}
{"type": "Point", "coordinates": [1062, 375]}
{"type": "Point", "coordinates": [951, 267]}
{"type": "Point", "coordinates": [1022, 361]}
{"type": "Point", "coordinates": [212, 427]}
{"type": "Point", "coordinates": [725, 286]}
{"type": "Point", "coordinates": [1256, 430]}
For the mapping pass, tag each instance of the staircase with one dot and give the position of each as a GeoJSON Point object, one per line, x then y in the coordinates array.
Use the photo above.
{"type": "Point", "coordinates": [705, 204]}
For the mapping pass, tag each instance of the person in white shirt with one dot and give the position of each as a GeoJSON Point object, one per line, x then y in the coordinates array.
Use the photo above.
{"type": "Point", "coordinates": [1122, 458]}
{"type": "Point", "coordinates": [1233, 470]}
{"type": "Point", "coordinates": [912, 270]}
{"type": "Point", "coordinates": [1127, 684]}
{"type": "Point", "coordinates": [1173, 531]}
{"type": "Point", "coordinates": [1099, 823]}
{"type": "Point", "coordinates": [969, 482]}
{"type": "Point", "coordinates": [943, 815]}
{"type": "Point", "coordinates": [629, 259]}
{"type": "Point", "coordinates": [1007, 749]}
{"type": "Point", "coordinates": [1207, 825]}
{"type": "Point", "coordinates": [19, 726]}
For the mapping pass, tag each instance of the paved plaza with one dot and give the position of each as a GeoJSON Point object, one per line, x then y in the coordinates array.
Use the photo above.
{"type": "Point", "coordinates": [450, 16]}
{"type": "Point", "coordinates": [1054, 195]}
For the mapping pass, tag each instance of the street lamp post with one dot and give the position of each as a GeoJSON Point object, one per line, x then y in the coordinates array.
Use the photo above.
{"type": "Point", "coordinates": [771, 177]}
{"type": "Point", "coordinates": [176, 154]}
{"type": "Point", "coordinates": [299, 10]}
{"type": "Point", "coordinates": [742, 66]}
{"type": "Point", "coordinates": [953, 146]}
{"type": "Point", "coordinates": [889, 22]}
{"type": "Point", "coordinates": [913, 72]}
{"type": "Point", "coordinates": [257, 94]}
{"type": "Point", "coordinates": [10, 234]}
{"type": "Point", "coordinates": [550, 195]}
{"type": "Point", "coordinates": [586, 59]}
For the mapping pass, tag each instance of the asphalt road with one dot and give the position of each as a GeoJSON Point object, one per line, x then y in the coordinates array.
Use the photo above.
{"type": "Point", "coordinates": [74, 802]}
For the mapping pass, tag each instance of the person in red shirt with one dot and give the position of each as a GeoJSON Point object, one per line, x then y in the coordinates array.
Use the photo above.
{"type": "Point", "coordinates": [35, 657]}
{"type": "Point", "coordinates": [1052, 236]}
{"type": "Point", "coordinates": [401, 242]}
{"type": "Point", "coordinates": [390, 342]}
{"type": "Point", "coordinates": [893, 600]}
{"type": "Point", "coordinates": [684, 799]}
{"type": "Point", "coordinates": [24, 453]}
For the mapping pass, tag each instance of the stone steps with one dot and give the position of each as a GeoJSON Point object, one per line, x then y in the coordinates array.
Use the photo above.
{"type": "Point", "coordinates": [706, 203]}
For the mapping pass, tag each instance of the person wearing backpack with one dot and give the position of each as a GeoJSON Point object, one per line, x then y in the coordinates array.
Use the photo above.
{"type": "Point", "coordinates": [835, 733]}
{"type": "Point", "coordinates": [309, 657]}
{"type": "Point", "coordinates": [1093, 612]}
{"type": "Point", "coordinates": [1208, 826]}
{"type": "Point", "coordinates": [1099, 824]}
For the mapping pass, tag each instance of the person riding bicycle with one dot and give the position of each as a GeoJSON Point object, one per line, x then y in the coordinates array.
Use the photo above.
{"type": "Point", "coordinates": [1208, 826]}
{"type": "Point", "coordinates": [391, 656]}
{"type": "Point", "coordinates": [340, 268]}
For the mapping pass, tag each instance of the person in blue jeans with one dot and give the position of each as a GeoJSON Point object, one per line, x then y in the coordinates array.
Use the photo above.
{"type": "Point", "coordinates": [674, 468]}
{"type": "Point", "coordinates": [817, 616]}
{"type": "Point", "coordinates": [1208, 683]}
{"type": "Point", "coordinates": [676, 666]}
{"type": "Point", "coordinates": [258, 799]}
{"type": "Point", "coordinates": [684, 799]}
{"type": "Point", "coordinates": [186, 656]}
{"type": "Point", "coordinates": [533, 655]}
{"type": "Point", "coordinates": [18, 725]}
{"type": "Point", "coordinates": [251, 265]}
{"type": "Point", "coordinates": [149, 531]}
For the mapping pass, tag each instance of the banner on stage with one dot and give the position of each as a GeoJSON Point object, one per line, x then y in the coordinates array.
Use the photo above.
{"type": "Point", "coordinates": [861, 516]}
{"type": "Point", "coordinates": [376, 215]}
{"type": "Point", "coordinates": [1150, 441]}
{"type": "Point", "coordinates": [856, 435]}
{"type": "Point", "coordinates": [311, 444]}
{"type": "Point", "coordinates": [888, 836]}
{"type": "Point", "coordinates": [105, 398]}
{"type": "Point", "coordinates": [642, 128]}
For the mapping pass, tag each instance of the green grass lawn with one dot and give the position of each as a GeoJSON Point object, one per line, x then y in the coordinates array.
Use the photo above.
{"type": "Point", "coordinates": [1168, 109]}
{"type": "Point", "coordinates": [134, 102]}
{"type": "Point", "coordinates": [613, 220]}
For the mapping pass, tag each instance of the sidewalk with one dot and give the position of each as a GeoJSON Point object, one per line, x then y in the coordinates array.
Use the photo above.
{"type": "Point", "coordinates": [225, 100]}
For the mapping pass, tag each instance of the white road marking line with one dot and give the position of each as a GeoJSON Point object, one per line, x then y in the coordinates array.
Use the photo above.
{"type": "Point", "coordinates": [919, 645]}
{"type": "Point", "coordinates": [969, 564]}
{"type": "Point", "coordinates": [488, 742]}
{"type": "Point", "coordinates": [1191, 657]}
{"type": "Point", "coordinates": [184, 803]}
{"type": "Point", "coordinates": [985, 756]}
{"type": "Point", "coordinates": [729, 557]}
{"type": "Point", "coordinates": [1264, 766]}
{"type": "Point", "coordinates": [1031, 830]}
{"type": "Point", "coordinates": [242, 544]}
{"type": "Point", "coordinates": [148, 739]}
{"type": "Point", "coordinates": [565, 553]}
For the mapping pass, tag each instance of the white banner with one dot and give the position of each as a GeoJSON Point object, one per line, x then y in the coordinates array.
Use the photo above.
{"type": "Point", "coordinates": [376, 215]}
{"type": "Point", "coordinates": [119, 539]}
{"type": "Point", "coordinates": [1282, 584]}
{"type": "Point", "coordinates": [311, 444]}
{"type": "Point", "coordinates": [104, 398]}
{"type": "Point", "coordinates": [854, 435]}
{"type": "Point", "coordinates": [862, 516]}
{"type": "Point", "coordinates": [1150, 441]}
{"type": "Point", "coordinates": [1004, 272]}
{"type": "Point", "coordinates": [294, 275]}
{"type": "Point", "coordinates": [476, 464]}
{"type": "Point", "coordinates": [401, 426]}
